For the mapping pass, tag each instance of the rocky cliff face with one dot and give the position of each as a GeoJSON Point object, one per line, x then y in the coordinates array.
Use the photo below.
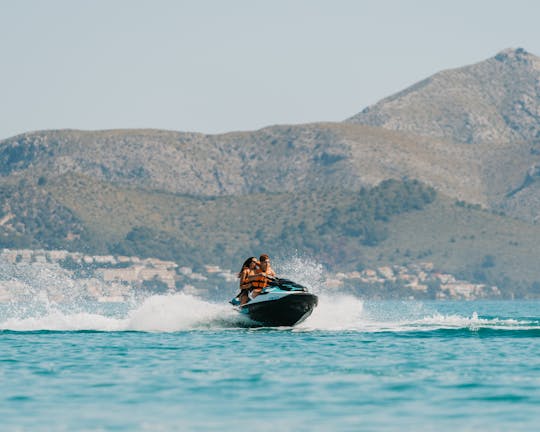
{"type": "Point", "coordinates": [497, 100]}
{"type": "Point", "coordinates": [274, 159]}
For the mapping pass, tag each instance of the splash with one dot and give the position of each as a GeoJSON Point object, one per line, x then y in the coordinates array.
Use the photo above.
{"type": "Point", "coordinates": [181, 312]}
{"type": "Point", "coordinates": [474, 322]}
{"type": "Point", "coordinates": [336, 312]}
{"type": "Point", "coordinates": [158, 313]}
{"type": "Point", "coordinates": [302, 269]}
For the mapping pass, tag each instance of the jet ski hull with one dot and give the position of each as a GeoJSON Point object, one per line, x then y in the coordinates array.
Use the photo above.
{"type": "Point", "coordinates": [288, 310]}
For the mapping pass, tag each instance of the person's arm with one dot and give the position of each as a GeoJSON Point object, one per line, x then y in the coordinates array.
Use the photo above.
{"type": "Point", "coordinates": [244, 277]}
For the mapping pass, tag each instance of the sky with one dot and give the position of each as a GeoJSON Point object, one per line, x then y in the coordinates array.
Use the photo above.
{"type": "Point", "coordinates": [219, 66]}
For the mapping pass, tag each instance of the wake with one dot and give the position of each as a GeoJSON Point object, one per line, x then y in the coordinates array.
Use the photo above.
{"type": "Point", "coordinates": [158, 313]}
{"type": "Point", "coordinates": [181, 312]}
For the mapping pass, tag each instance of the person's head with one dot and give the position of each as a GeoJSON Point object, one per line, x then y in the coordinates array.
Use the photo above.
{"type": "Point", "coordinates": [251, 262]}
{"type": "Point", "coordinates": [264, 260]}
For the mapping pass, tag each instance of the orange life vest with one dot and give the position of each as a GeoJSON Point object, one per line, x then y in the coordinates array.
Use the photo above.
{"type": "Point", "coordinates": [259, 282]}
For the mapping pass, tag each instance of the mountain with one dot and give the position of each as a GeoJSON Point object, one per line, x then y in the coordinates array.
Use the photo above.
{"type": "Point", "coordinates": [444, 171]}
{"type": "Point", "coordinates": [494, 107]}
{"type": "Point", "coordinates": [494, 101]}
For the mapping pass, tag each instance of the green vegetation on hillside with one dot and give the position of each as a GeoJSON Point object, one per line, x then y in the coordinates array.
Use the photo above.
{"type": "Point", "coordinates": [395, 222]}
{"type": "Point", "coordinates": [365, 217]}
{"type": "Point", "coordinates": [471, 243]}
{"type": "Point", "coordinates": [32, 218]}
{"type": "Point", "coordinates": [193, 231]}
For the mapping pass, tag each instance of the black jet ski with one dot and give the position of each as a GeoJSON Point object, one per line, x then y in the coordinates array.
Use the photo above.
{"type": "Point", "coordinates": [281, 303]}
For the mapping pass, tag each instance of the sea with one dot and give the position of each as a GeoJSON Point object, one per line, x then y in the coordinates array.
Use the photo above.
{"type": "Point", "coordinates": [182, 363]}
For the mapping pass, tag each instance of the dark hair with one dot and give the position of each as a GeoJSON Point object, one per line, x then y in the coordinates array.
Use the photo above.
{"type": "Point", "coordinates": [264, 257]}
{"type": "Point", "coordinates": [246, 264]}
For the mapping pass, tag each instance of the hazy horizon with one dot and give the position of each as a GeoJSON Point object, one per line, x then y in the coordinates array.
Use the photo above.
{"type": "Point", "coordinates": [215, 67]}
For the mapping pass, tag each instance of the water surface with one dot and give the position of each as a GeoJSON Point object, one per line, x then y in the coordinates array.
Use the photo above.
{"type": "Point", "coordinates": [178, 363]}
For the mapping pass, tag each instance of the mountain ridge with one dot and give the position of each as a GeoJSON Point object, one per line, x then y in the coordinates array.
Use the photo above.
{"type": "Point", "coordinates": [277, 159]}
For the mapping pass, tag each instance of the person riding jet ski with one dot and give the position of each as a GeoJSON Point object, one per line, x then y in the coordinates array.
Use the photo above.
{"type": "Point", "coordinates": [263, 273]}
{"type": "Point", "coordinates": [246, 276]}
{"type": "Point", "coordinates": [269, 301]}
{"type": "Point", "coordinates": [254, 277]}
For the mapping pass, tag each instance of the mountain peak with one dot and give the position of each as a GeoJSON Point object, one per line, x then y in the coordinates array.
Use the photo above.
{"type": "Point", "coordinates": [496, 100]}
{"type": "Point", "coordinates": [514, 54]}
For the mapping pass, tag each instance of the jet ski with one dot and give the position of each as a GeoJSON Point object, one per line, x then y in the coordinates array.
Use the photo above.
{"type": "Point", "coordinates": [281, 303]}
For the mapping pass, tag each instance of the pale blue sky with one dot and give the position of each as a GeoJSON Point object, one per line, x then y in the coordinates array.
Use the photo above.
{"type": "Point", "coordinates": [217, 66]}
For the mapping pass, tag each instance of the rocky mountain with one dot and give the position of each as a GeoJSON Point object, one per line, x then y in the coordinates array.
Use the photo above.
{"type": "Point", "coordinates": [279, 159]}
{"type": "Point", "coordinates": [494, 101]}
{"type": "Point", "coordinates": [275, 159]}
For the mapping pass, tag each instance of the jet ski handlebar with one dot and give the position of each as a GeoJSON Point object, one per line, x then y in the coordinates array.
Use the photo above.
{"type": "Point", "coordinates": [285, 284]}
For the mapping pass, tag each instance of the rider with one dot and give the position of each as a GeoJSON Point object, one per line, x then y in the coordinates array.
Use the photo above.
{"type": "Point", "coordinates": [246, 276]}
{"type": "Point", "coordinates": [264, 266]}
{"type": "Point", "coordinates": [263, 273]}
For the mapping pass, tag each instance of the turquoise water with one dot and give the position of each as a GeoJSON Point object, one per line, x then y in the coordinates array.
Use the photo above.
{"type": "Point", "coordinates": [178, 363]}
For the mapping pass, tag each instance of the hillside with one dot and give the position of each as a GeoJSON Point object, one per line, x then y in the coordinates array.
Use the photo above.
{"type": "Point", "coordinates": [103, 218]}
{"type": "Point", "coordinates": [275, 159]}
{"type": "Point", "coordinates": [280, 159]}
{"type": "Point", "coordinates": [395, 223]}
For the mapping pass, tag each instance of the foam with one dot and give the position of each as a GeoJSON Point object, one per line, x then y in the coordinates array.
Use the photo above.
{"type": "Point", "coordinates": [179, 312]}
{"type": "Point", "coordinates": [336, 312]}
{"type": "Point", "coordinates": [182, 312]}
{"type": "Point", "coordinates": [158, 313]}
